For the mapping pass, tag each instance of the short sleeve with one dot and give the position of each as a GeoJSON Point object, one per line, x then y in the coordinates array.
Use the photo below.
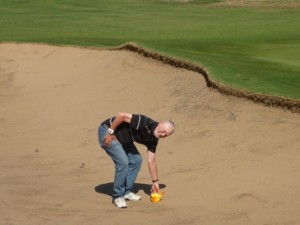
{"type": "Point", "coordinates": [151, 145]}
{"type": "Point", "coordinates": [152, 150]}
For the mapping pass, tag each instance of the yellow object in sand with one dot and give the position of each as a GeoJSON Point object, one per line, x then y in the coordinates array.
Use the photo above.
{"type": "Point", "coordinates": [156, 197]}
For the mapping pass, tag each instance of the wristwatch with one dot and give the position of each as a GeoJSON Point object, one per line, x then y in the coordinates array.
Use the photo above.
{"type": "Point", "coordinates": [110, 131]}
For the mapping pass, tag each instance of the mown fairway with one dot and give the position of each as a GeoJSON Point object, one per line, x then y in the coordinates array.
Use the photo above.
{"type": "Point", "coordinates": [256, 49]}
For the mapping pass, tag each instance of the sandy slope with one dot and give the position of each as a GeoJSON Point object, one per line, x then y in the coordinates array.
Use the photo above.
{"type": "Point", "coordinates": [230, 161]}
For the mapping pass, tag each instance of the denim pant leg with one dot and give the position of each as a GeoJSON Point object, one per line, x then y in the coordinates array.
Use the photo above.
{"type": "Point", "coordinates": [135, 163]}
{"type": "Point", "coordinates": [118, 155]}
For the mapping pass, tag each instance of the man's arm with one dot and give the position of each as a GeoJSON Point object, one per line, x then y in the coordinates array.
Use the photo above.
{"type": "Point", "coordinates": [120, 118]}
{"type": "Point", "coordinates": [153, 171]}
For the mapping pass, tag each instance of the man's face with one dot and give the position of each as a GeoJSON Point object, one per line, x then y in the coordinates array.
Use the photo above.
{"type": "Point", "coordinates": [163, 130]}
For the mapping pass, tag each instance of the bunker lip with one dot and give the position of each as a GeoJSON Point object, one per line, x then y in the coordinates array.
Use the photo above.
{"type": "Point", "coordinates": [286, 103]}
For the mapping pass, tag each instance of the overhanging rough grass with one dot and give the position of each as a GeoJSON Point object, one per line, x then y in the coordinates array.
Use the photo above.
{"type": "Point", "coordinates": [292, 105]}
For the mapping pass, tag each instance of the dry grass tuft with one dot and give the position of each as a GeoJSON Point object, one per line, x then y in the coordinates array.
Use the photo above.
{"type": "Point", "coordinates": [259, 3]}
{"type": "Point", "coordinates": [180, 1]}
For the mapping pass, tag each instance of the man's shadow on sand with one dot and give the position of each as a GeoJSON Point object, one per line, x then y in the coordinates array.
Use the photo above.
{"type": "Point", "coordinates": [108, 188]}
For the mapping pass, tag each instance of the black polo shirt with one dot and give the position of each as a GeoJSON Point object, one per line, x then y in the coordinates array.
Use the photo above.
{"type": "Point", "coordinates": [140, 129]}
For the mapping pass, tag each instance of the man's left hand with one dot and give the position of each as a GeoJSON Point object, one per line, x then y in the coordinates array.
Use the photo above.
{"type": "Point", "coordinates": [108, 139]}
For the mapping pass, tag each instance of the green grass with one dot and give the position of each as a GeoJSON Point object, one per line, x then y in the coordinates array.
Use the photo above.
{"type": "Point", "coordinates": [256, 49]}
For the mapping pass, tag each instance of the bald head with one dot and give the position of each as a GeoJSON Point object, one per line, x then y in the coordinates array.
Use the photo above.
{"type": "Point", "coordinates": [164, 129]}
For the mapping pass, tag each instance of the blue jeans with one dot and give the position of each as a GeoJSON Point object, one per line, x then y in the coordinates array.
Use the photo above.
{"type": "Point", "coordinates": [128, 162]}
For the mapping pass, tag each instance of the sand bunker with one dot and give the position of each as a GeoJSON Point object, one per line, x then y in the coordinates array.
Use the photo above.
{"type": "Point", "coordinates": [231, 161]}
